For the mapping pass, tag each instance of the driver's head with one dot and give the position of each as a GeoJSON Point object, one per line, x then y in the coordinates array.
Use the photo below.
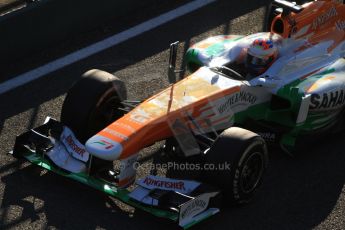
{"type": "Point", "coordinates": [260, 56]}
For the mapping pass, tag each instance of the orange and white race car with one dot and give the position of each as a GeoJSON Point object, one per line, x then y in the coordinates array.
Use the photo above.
{"type": "Point", "coordinates": [243, 92]}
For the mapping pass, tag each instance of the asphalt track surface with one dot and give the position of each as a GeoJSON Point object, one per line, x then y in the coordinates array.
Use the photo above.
{"type": "Point", "coordinates": [301, 192]}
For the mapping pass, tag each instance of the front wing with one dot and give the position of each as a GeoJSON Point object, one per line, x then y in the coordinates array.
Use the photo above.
{"type": "Point", "coordinates": [188, 211]}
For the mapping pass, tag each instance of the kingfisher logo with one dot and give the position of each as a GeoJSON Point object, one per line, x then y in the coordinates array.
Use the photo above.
{"type": "Point", "coordinates": [104, 143]}
{"type": "Point", "coordinates": [164, 184]}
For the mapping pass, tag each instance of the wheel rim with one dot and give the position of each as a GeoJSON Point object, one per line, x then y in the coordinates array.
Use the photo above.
{"type": "Point", "coordinates": [108, 110]}
{"type": "Point", "coordinates": [251, 172]}
{"type": "Point", "coordinates": [105, 113]}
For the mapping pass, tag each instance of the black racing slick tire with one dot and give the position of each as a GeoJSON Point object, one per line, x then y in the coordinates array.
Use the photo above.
{"type": "Point", "coordinates": [239, 159]}
{"type": "Point", "coordinates": [92, 103]}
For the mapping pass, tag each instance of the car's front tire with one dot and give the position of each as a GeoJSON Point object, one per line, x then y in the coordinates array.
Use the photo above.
{"type": "Point", "coordinates": [92, 103]}
{"type": "Point", "coordinates": [239, 159]}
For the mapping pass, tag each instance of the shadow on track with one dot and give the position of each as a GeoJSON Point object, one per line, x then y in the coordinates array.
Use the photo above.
{"type": "Point", "coordinates": [125, 54]}
{"type": "Point", "coordinates": [298, 193]}
{"type": "Point", "coordinates": [84, 208]}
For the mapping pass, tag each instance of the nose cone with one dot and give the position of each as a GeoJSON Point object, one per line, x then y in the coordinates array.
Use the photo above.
{"type": "Point", "coordinates": [103, 148]}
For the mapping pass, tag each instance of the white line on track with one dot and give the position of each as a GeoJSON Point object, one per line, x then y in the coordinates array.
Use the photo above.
{"type": "Point", "coordinates": [97, 47]}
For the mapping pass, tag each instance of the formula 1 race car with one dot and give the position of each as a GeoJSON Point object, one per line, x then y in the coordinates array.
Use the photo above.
{"type": "Point", "coordinates": [221, 113]}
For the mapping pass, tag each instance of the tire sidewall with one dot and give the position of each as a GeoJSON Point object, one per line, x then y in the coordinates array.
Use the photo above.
{"type": "Point", "coordinates": [239, 196]}
{"type": "Point", "coordinates": [83, 101]}
{"type": "Point", "coordinates": [234, 151]}
{"type": "Point", "coordinates": [92, 126]}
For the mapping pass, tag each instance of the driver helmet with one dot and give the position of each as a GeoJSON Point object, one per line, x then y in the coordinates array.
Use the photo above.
{"type": "Point", "coordinates": [260, 56]}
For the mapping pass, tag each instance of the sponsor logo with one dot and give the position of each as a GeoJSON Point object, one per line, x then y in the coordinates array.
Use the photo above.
{"type": "Point", "coordinates": [190, 209]}
{"type": "Point", "coordinates": [116, 134]}
{"type": "Point", "coordinates": [195, 206]}
{"type": "Point", "coordinates": [268, 136]}
{"type": "Point", "coordinates": [340, 25]}
{"type": "Point", "coordinates": [69, 140]}
{"type": "Point", "coordinates": [241, 97]}
{"type": "Point", "coordinates": [104, 143]}
{"type": "Point", "coordinates": [323, 18]}
{"type": "Point", "coordinates": [327, 100]}
{"type": "Point", "coordinates": [164, 184]}
{"type": "Point", "coordinates": [139, 116]}
{"type": "Point", "coordinates": [125, 126]}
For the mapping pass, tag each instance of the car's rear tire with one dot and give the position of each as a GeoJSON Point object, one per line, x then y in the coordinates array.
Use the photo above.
{"type": "Point", "coordinates": [92, 103]}
{"type": "Point", "coordinates": [246, 153]}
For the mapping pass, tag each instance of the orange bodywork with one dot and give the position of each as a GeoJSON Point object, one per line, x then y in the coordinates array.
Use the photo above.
{"type": "Point", "coordinates": [153, 120]}
{"type": "Point", "coordinates": [318, 21]}
{"type": "Point", "coordinates": [184, 102]}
